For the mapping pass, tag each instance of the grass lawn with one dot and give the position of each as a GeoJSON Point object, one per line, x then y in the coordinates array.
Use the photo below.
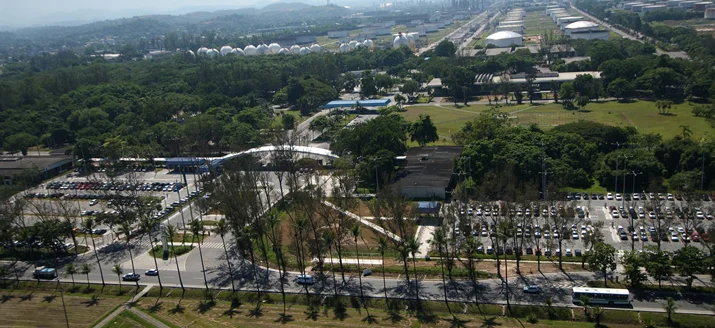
{"type": "Point", "coordinates": [278, 119]}
{"type": "Point", "coordinates": [188, 238]}
{"type": "Point", "coordinates": [127, 319]}
{"type": "Point", "coordinates": [158, 251]}
{"type": "Point", "coordinates": [31, 308]}
{"type": "Point", "coordinates": [613, 35]}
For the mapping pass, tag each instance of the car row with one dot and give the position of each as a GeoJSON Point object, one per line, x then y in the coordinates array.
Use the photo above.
{"type": "Point", "coordinates": [147, 186]}
{"type": "Point", "coordinates": [638, 196]}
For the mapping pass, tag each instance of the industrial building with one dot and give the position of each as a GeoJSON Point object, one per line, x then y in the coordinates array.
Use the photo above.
{"type": "Point", "coordinates": [13, 167]}
{"type": "Point", "coordinates": [504, 39]}
{"type": "Point", "coordinates": [429, 172]}
{"type": "Point", "coordinates": [710, 13]}
{"type": "Point", "coordinates": [513, 28]}
{"type": "Point", "coordinates": [590, 35]}
{"type": "Point", "coordinates": [565, 20]}
{"type": "Point", "coordinates": [653, 8]}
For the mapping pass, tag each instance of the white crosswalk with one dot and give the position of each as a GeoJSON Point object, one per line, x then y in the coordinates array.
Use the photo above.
{"type": "Point", "coordinates": [216, 245]}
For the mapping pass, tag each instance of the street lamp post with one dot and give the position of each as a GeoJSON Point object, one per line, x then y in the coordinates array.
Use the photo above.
{"type": "Point", "coordinates": [634, 173]}
{"type": "Point", "coordinates": [377, 181]}
{"type": "Point", "coordinates": [625, 170]}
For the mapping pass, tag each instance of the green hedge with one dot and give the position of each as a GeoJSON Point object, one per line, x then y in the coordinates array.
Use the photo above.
{"type": "Point", "coordinates": [485, 309]}
{"type": "Point", "coordinates": [541, 312]}
{"type": "Point", "coordinates": [398, 269]}
{"type": "Point", "coordinates": [679, 320]}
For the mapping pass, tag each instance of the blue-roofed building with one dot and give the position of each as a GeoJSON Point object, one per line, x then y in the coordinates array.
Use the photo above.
{"type": "Point", "coordinates": [188, 163]}
{"type": "Point", "coordinates": [363, 103]}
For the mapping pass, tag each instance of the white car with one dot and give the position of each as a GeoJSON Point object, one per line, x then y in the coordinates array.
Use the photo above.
{"type": "Point", "coordinates": [568, 252]}
{"type": "Point", "coordinates": [532, 289]}
{"type": "Point", "coordinates": [670, 197]}
{"type": "Point", "coordinates": [574, 235]}
{"type": "Point", "coordinates": [609, 196]}
{"type": "Point", "coordinates": [699, 215]}
{"type": "Point", "coordinates": [636, 196]}
{"type": "Point", "coordinates": [614, 214]}
{"type": "Point", "coordinates": [151, 272]}
{"type": "Point", "coordinates": [674, 237]}
{"type": "Point", "coordinates": [618, 197]}
{"type": "Point", "coordinates": [93, 202]}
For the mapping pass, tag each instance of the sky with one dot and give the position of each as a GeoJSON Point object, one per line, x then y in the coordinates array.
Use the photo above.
{"type": "Point", "coordinates": [21, 13]}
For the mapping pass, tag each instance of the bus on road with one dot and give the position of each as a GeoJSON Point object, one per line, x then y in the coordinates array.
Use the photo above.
{"type": "Point", "coordinates": [605, 296]}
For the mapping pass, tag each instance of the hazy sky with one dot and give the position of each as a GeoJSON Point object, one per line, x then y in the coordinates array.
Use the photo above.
{"type": "Point", "coordinates": [32, 12]}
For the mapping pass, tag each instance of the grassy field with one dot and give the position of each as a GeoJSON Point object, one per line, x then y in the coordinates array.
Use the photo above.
{"type": "Point", "coordinates": [31, 308]}
{"type": "Point", "coordinates": [537, 22]}
{"type": "Point", "coordinates": [640, 114]}
{"type": "Point", "coordinates": [127, 319]}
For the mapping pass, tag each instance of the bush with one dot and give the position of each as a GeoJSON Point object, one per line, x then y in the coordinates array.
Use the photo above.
{"type": "Point", "coordinates": [531, 318]}
{"type": "Point", "coordinates": [158, 251]}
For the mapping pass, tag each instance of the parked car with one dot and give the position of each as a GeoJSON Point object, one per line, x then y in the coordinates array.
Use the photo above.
{"type": "Point", "coordinates": [532, 289]}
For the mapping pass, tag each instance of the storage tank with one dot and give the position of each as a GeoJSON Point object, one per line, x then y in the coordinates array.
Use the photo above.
{"type": "Point", "coordinates": [369, 44]}
{"type": "Point", "coordinates": [274, 48]}
{"type": "Point", "coordinates": [250, 50]}
{"type": "Point", "coordinates": [400, 40]}
{"type": "Point", "coordinates": [504, 39]}
{"type": "Point", "coordinates": [212, 53]}
{"type": "Point", "coordinates": [353, 44]}
{"type": "Point", "coordinates": [225, 50]}
{"type": "Point", "coordinates": [202, 51]}
{"type": "Point", "coordinates": [238, 52]}
{"type": "Point", "coordinates": [262, 49]}
{"type": "Point", "coordinates": [344, 47]}
{"type": "Point", "coordinates": [304, 51]}
{"type": "Point", "coordinates": [580, 26]}
{"type": "Point", "coordinates": [284, 51]}
{"type": "Point", "coordinates": [316, 48]}
{"type": "Point", "coordinates": [295, 49]}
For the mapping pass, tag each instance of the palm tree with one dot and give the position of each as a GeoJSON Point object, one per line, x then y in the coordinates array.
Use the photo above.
{"type": "Point", "coordinates": [126, 228]}
{"type": "Point", "coordinates": [670, 308]}
{"type": "Point", "coordinates": [88, 225]}
{"type": "Point", "coordinates": [329, 238]}
{"type": "Point", "coordinates": [117, 269]}
{"type": "Point", "coordinates": [356, 233]}
{"type": "Point", "coordinates": [170, 233]}
{"type": "Point", "coordinates": [85, 270]}
{"type": "Point", "coordinates": [146, 224]}
{"type": "Point", "coordinates": [382, 247]}
{"type": "Point", "coordinates": [197, 227]}
{"type": "Point", "coordinates": [439, 240]}
{"type": "Point", "coordinates": [413, 246]}
{"type": "Point", "coordinates": [71, 270]}
{"type": "Point", "coordinates": [222, 229]}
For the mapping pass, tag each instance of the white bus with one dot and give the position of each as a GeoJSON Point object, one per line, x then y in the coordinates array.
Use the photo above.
{"type": "Point", "coordinates": [606, 296]}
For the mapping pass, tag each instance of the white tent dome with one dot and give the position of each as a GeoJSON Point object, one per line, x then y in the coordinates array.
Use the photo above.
{"type": "Point", "coordinates": [284, 51]}
{"type": "Point", "coordinates": [212, 53]}
{"type": "Point", "coordinates": [202, 50]}
{"type": "Point", "coordinates": [295, 49]}
{"type": "Point", "coordinates": [353, 44]}
{"type": "Point", "coordinates": [274, 48]}
{"type": "Point", "coordinates": [504, 39]}
{"type": "Point", "coordinates": [344, 47]}
{"type": "Point", "coordinates": [250, 50]}
{"type": "Point", "coordinates": [262, 49]}
{"type": "Point", "coordinates": [304, 51]}
{"type": "Point", "coordinates": [400, 40]}
{"type": "Point", "coordinates": [225, 50]}
{"type": "Point", "coordinates": [368, 43]}
{"type": "Point", "coordinates": [238, 52]}
{"type": "Point", "coordinates": [581, 24]}
{"type": "Point", "coordinates": [316, 48]}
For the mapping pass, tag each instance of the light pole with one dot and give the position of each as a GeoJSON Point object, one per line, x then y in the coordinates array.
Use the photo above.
{"type": "Point", "coordinates": [377, 181]}
{"type": "Point", "coordinates": [618, 147]}
{"type": "Point", "coordinates": [634, 173]}
{"type": "Point", "coordinates": [625, 168]}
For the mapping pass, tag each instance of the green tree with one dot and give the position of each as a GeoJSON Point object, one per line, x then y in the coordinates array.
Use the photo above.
{"type": "Point", "coordinates": [423, 131]}
{"type": "Point", "coordinates": [688, 261]}
{"type": "Point", "coordinates": [602, 258]}
{"type": "Point", "coordinates": [171, 231]}
{"type": "Point", "coordinates": [86, 269]}
{"type": "Point", "coordinates": [567, 93]}
{"type": "Point", "coordinates": [632, 262]}
{"type": "Point", "coordinates": [445, 49]}
{"type": "Point", "coordinates": [440, 241]}
{"type": "Point", "coordinates": [118, 270]}
{"type": "Point", "coordinates": [620, 88]}
{"type": "Point", "coordinates": [459, 80]}
{"type": "Point", "coordinates": [670, 308]}
{"type": "Point", "coordinates": [384, 82]}
{"type": "Point", "coordinates": [350, 81]}
{"type": "Point", "coordinates": [410, 87]}
{"type": "Point", "coordinates": [658, 265]}
{"type": "Point", "coordinates": [71, 270]}
{"type": "Point", "coordinates": [368, 87]}
{"type": "Point", "coordinates": [197, 232]}
{"type": "Point", "coordinates": [20, 142]}
{"type": "Point", "coordinates": [582, 101]}
{"type": "Point", "coordinates": [288, 122]}
{"type": "Point", "coordinates": [222, 230]}
{"type": "Point", "coordinates": [400, 99]}
{"type": "Point", "coordinates": [597, 314]}
{"type": "Point", "coordinates": [664, 106]}
{"type": "Point", "coordinates": [381, 248]}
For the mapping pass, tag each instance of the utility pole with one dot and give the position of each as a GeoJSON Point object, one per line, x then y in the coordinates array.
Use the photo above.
{"type": "Point", "coordinates": [633, 242]}
{"type": "Point", "coordinates": [625, 170]}
{"type": "Point", "coordinates": [618, 147]}
{"type": "Point", "coordinates": [544, 175]}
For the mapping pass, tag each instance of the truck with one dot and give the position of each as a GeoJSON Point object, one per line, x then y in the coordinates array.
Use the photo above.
{"type": "Point", "coordinates": [44, 273]}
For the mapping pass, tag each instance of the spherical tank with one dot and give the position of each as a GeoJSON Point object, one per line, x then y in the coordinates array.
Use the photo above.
{"type": "Point", "coordinates": [192, 53]}
{"type": "Point", "coordinates": [202, 50]}
{"type": "Point", "coordinates": [295, 49]}
{"type": "Point", "coordinates": [304, 51]}
{"type": "Point", "coordinates": [262, 49]}
{"type": "Point", "coordinates": [284, 51]}
{"type": "Point", "coordinates": [410, 38]}
{"type": "Point", "coordinates": [344, 47]}
{"type": "Point", "coordinates": [274, 48]}
{"type": "Point", "coordinates": [238, 52]}
{"type": "Point", "coordinates": [250, 50]}
{"type": "Point", "coordinates": [225, 50]}
{"type": "Point", "coordinates": [368, 43]}
{"type": "Point", "coordinates": [316, 48]}
{"type": "Point", "coordinates": [353, 44]}
{"type": "Point", "coordinates": [212, 53]}
{"type": "Point", "coordinates": [400, 40]}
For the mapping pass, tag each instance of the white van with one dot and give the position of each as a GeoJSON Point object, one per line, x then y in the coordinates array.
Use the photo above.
{"type": "Point", "coordinates": [304, 279]}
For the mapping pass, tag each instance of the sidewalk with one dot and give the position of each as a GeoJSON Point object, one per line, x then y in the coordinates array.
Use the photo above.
{"type": "Point", "coordinates": [364, 221]}
{"type": "Point", "coordinates": [128, 306]}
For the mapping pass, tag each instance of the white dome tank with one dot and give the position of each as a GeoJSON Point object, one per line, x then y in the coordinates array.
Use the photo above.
{"type": "Point", "coordinates": [400, 40]}
{"type": "Point", "coordinates": [316, 48]}
{"type": "Point", "coordinates": [212, 53]}
{"type": "Point", "coordinates": [410, 38]}
{"type": "Point", "coordinates": [274, 48]}
{"type": "Point", "coordinates": [295, 49]}
{"type": "Point", "coordinates": [284, 51]}
{"type": "Point", "coordinates": [250, 50]}
{"type": "Point", "coordinates": [262, 49]}
{"type": "Point", "coordinates": [191, 52]}
{"type": "Point", "coordinates": [368, 43]}
{"type": "Point", "coordinates": [353, 44]}
{"type": "Point", "coordinates": [304, 51]}
{"type": "Point", "coordinates": [202, 51]}
{"type": "Point", "coordinates": [225, 50]}
{"type": "Point", "coordinates": [344, 47]}
{"type": "Point", "coordinates": [238, 52]}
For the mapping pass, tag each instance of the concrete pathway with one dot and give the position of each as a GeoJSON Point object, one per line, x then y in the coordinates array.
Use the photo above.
{"type": "Point", "coordinates": [424, 238]}
{"type": "Point", "coordinates": [126, 306]}
{"type": "Point", "coordinates": [352, 261]}
{"type": "Point", "coordinates": [364, 221]}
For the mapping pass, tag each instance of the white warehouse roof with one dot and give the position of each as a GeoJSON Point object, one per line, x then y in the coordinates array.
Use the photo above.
{"type": "Point", "coordinates": [503, 35]}
{"type": "Point", "coordinates": [581, 24]}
